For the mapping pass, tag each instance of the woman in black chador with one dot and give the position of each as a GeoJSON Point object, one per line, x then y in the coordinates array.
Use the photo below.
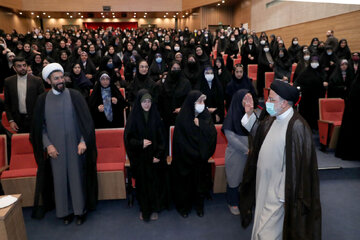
{"type": "Point", "coordinates": [194, 143]}
{"type": "Point", "coordinates": [107, 104]}
{"type": "Point", "coordinates": [145, 146]}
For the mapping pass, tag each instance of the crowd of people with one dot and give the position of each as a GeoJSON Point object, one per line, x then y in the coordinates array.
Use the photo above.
{"type": "Point", "coordinates": [171, 78]}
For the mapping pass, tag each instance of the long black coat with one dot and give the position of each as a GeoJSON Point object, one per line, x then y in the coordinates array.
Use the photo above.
{"type": "Point", "coordinates": [302, 194]}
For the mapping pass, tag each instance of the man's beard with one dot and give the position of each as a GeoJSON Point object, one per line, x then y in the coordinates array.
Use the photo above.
{"type": "Point", "coordinates": [60, 87]}
{"type": "Point", "coordinates": [22, 73]}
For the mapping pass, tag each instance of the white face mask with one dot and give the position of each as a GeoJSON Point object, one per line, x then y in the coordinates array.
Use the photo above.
{"type": "Point", "coordinates": [222, 37]}
{"type": "Point", "coordinates": [209, 77]}
{"type": "Point", "coordinates": [295, 42]}
{"type": "Point", "coordinates": [314, 65]}
{"type": "Point", "coordinates": [232, 39]}
{"type": "Point", "coordinates": [262, 42]}
{"type": "Point", "coordinates": [266, 49]}
{"type": "Point", "coordinates": [176, 48]}
{"type": "Point", "coordinates": [306, 57]}
{"type": "Point", "coordinates": [199, 108]}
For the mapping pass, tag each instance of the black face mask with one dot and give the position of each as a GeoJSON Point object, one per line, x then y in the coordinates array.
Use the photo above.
{"type": "Point", "coordinates": [175, 74]}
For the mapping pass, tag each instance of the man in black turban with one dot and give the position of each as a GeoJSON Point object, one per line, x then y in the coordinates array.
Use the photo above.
{"type": "Point", "coordinates": [280, 177]}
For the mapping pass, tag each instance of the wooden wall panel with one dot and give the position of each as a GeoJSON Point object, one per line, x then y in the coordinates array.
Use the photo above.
{"type": "Point", "coordinates": [97, 5]}
{"type": "Point", "coordinates": [216, 15]}
{"type": "Point", "coordinates": [242, 13]}
{"type": "Point", "coordinates": [15, 4]}
{"type": "Point", "coordinates": [189, 4]}
{"type": "Point", "coordinates": [345, 26]}
{"type": "Point", "coordinates": [192, 22]}
{"type": "Point", "coordinates": [10, 21]}
{"type": "Point", "coordinates": [290, 13]}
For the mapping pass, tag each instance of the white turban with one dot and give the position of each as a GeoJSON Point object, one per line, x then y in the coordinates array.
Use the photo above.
{"type": "Point", "coordinates": [51, 68]}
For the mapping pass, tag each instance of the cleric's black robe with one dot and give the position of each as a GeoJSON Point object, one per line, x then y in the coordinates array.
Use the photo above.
{"type": "Point", "coordinates": [44, 191]}
{"type": "Point", "coordinates": [150, 177]}
{"type": "Point", "coordinates": [192, 148]}
{"type": "Point", "coordinates": [302, 218]}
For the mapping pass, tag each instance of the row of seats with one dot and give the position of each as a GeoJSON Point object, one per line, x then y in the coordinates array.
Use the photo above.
{"type": "Point", "coordinates": [20, 176]}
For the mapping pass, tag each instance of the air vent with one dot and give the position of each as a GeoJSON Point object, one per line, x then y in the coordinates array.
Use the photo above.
{"type": "Point", "coordinates": [106, 8]}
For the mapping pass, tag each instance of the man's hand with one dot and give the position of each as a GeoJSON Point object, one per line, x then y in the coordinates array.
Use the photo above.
{"type": "Point", "coordinates": [211, 110]}
{"type": "Point", "coordinates": [81, 148]}
{"type": "Point", "coordinates": [114, 100]}
{"type": "Point", "coordinates": [248, 104]}
{"type": "Point", "coordinates": [177, 110]}
{"type": "Point", "coordinates": [14, 126]}
{"type": "Point", "coordinates": [51, 150]}
{"type": "Point", "coordinates": [196, 121]}
{"type": "Point", "coordinates": [101, 108]}
{"type": "Point", "coordinates": [146, 143]}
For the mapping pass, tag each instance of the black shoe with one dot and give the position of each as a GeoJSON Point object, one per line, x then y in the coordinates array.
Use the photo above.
{"type": "Point", "coordinates": [183, 213]}
{"type": "Point", "coordinates": [200, 212]}
{"type": "Point", "coordinates": [81, 219]}
{"type": "Point", "coordinates": [68, 219]}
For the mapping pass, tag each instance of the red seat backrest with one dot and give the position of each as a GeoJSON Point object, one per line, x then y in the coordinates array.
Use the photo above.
{"type": "Point", "coordinates": [110, 145]}
{"type": "Point", "coordinates": [22, 155]}
{"type": "Point", "coordinates": [269, 78]}
{"type": "Point", "coordinates": [293, 67]}
{"type": "Point", "coordinates": [91, 90]}
{"type": "Point", "coordinates": [237, 61]}
{"type": "Point", "coordinates": [252, 71]}
{"type": "Point", "coordinates": [2, 97]}
{"type": "Point", "coordinates": [221, 143]}
{"type": "Point", "coordinates": [122, 90]}
{"type": "Point", "coordinates": [292, 77]}
{"type": "Point", "coordinates": [3, 151]}
{"type": "Point", "coordinates": [171, 139]}
{"type": "Point", "coordinates": [225, 56]}
{"type": "Point", "coordinates": [214, 54]}
{"type": "Point", "coordinates": [331, 109]}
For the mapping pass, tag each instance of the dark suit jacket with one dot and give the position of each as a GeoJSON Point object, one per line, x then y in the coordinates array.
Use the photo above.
{"type": "Point", "coordinates": [35, 87]}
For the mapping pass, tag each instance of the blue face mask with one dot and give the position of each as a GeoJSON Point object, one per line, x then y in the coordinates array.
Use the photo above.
{"type": "Point", "coordinates": [110, 65]}
{"type": "Point", "coordinates": [158, 60]}
{"type": "Point", "coordinates": [270, 108]}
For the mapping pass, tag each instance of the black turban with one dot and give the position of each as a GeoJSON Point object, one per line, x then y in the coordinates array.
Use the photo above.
{"type": "Point", "coordinates": [285, 90]}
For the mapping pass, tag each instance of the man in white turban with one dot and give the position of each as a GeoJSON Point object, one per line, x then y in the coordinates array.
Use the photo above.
{"type": "Point", "coordinates": [63, 127]}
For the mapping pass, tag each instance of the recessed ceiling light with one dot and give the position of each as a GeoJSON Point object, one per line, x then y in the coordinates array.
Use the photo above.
{"type": "Point", "coordinates": [67, 13]}
{"type": "Point", "coordinates": [70, 16]}
{"type": "Point", "coordinates": [174, 16]}
{"type": "Point", "coordinates": [20, 13]}
{"type": "Point", "coordinates": [114, 16]}
{"type": "Point", "coordinates": [79, 13]}
{"type": "Point", "coordinates": [113, 13]}
{"type": "Point", "coordinates": [164, 16]}
{"type": "Point", "coordinates": [223, 1]}
{"type": "Point", "coordinates": [32, 13]}
{"type": "Point", "coordinates": [37, 16]}
{"type": "Point", "coordinates": [102, 14]}
{"type": "Point", "coordinates": [82, 16]}
{"type": "Point", "coordinates": [49, 16]}
{"type": "Point", "coordinates": [218, 4]}
{"type": "Point", "coordinates": [44, 13]}
{"type": "Point", "coordinates": [177, 13]}
{"type": "Point", "coordinates": [167, 13]}
{"type": "Point", "coordinates": [183, 16]}
{"type": "Point", "coordinates": [144, 16]}
{"type": "Point", "coordinates": [187, 13]}
{"type": "Point", "coordinates": [145, 13]}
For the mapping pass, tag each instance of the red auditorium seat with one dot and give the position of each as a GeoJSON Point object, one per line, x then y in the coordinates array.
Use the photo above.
{"type": "Point", "coordinates": [269, 78]}
{"type": "Point", "coordinates": [21, 176]}
{"type": "Point", "coordinates": [3, 154]}
{"type": "Point", "coordinates": [6, 123]}
{"type": "Point", "coordinates": [292, 78]}
{"type": "Point", "coordinates": [237, 60]}
{"type": "Point", "coordinates": [225, 56]}
{"type": "Point", "coordinates": [214, 52]}
{"type": "Point", "coordinates": [122, 73]}
{"type": "Point", "coordinates": [111, 163]}
{"type": "Point", "coordinates": [219, 161]}
{"type": "Point", "coordinates": [330, 116]}
{"type": "Point", "coordinates": [2, 97]}
{"type": "Point", "coordinates": [293, 67]}
{"type": "Point", "coordinates": [252, 71]}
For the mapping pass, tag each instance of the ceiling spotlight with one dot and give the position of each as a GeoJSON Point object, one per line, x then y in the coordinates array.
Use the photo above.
{"type": "Point", "coordinates": [113, 13]}
{"type": "Point", "coordinates": [164, 16]}
{"type": "Point", "coordinates": [70, 16]}
{"type": "Point", "coordinates": [167, 13]}
{"type": "Point", "coordinates": [174, 16]}
{"type": "Point", "coordinates": [82, 16]}
{"type": "Point", "coordinates": [20, 13]}
{"type": "Point", "coordinates": [102, 14]}
{"type": "Point", "coordinates": [145, 13]}
{"type": "Point", "coordinates": [37, 16]}
{"type": "Point", "coordinates": [183, 16]}
{"type": "Point", "coordinates": [145, 16]}
{"type": "Point", "coordinates": [134, 13]}
{"type": "Point", "coordinates": [49, 16]}
{"type": "Point", "coordinates": [218, 4]}
{"type": "Point", "coordinates": [79, 13]}
{"type": "Point", "coordinates": [223, 1]}
{"type": "Point", "coordinates": [44, 13]}
{"type": "Point", "coordinates": [114, 16]}
{"type": "Point", "coordinates": [32, 13]}
{"type": "Point", "coordinates": [177, 13]}
{"type": "Point", "coordinates": [187, 13]}
{"type": "Point", "coordinates": [67, 13]}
